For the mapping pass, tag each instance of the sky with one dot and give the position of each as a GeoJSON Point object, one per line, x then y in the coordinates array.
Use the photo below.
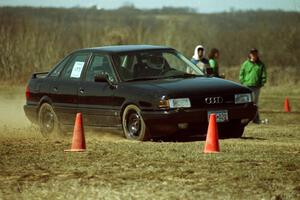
{"type": "Point", "coordinates": [204, 6]}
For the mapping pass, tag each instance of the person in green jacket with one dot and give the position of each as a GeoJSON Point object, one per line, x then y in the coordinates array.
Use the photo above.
{"type": "Point", "coordinates": [253, 74]}
{"type": "Point", "coordinates": [213, 57]}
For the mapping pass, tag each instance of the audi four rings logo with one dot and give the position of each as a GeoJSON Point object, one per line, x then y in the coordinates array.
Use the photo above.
{"type": "Point", "coordinates": [213, 100]}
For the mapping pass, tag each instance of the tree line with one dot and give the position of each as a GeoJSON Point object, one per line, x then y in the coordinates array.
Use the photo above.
{"type": "Point", "coordinates": [34, 39]}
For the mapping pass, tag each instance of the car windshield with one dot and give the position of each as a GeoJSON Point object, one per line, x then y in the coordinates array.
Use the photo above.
{"type": "Point", "coordinates": [154, 65]}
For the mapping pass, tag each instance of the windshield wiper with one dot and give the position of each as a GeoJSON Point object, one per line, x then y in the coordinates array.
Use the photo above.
{"type": "Point", "coordinates": [185, 75]}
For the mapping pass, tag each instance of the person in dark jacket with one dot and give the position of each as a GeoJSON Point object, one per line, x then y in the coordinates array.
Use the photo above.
{"type": "Point", "coordinates": [253, 74]}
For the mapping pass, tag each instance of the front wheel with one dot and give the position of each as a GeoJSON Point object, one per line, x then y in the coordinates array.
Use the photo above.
{"type": "Point", "coordinates": [48, 121]}
{"type": "Point", "coordinates": [134, 127]}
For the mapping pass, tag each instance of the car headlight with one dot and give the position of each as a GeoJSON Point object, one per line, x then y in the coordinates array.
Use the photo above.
{"type": "Point", "coordinates": [175, 103]}
{"type": "Point", "coordinates": [243, 98]}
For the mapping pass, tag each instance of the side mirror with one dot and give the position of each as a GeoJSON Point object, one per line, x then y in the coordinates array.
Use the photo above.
{"type": "Point", "coordinates": [101, 78]}
{"type": "Point", "coordinates": [104, 78]}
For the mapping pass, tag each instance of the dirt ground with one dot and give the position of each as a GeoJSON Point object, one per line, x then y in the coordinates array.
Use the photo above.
{"type": "Point", "coordinates": [264, 164]}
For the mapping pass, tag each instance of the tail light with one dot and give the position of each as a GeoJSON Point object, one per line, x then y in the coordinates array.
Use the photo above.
{"type": "Point", "coordinates": [27, 93]}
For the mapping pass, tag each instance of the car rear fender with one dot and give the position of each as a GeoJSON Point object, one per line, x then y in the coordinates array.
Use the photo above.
{"type": "Point", "coordinates": [44, 99]}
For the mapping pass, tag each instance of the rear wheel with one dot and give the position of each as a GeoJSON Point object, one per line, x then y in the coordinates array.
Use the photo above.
{"type": "Point", "coordinates": [235, 130]}
{"type": "Point", "coordinates": [48, 121]}
{"type": "Point", "coordinates": [134, 127]}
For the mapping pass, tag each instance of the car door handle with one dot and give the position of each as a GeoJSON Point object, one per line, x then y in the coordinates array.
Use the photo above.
{"type": "Point", "coordinates": [81, 90]}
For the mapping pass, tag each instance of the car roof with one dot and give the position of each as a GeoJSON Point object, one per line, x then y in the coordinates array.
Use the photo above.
{"type": "Point", "coordinates": [126, 48]}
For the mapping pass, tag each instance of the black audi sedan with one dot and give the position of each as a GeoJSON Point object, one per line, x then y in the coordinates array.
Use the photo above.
{"type": "Point", "coordinates": [146, 91]}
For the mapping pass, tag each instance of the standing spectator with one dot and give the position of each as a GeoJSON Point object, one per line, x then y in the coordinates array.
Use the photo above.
{"type": "Point", "coordinates": [213, 57]}
{"type": "Point", "coordinates": [199, 58]}
{"type": "Point", "coordinates": [253, 74]}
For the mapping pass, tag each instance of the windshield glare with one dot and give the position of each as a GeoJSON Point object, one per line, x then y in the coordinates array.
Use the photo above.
{"type": "Point", "coordinates": [154, 65]}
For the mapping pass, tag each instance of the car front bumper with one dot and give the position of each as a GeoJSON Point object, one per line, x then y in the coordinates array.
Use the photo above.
{"type": "Point", "coordinates": [170, 121]}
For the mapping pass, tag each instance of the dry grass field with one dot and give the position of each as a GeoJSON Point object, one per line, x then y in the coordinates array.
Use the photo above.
{"type": "Point", "coordinates": [264, 164]}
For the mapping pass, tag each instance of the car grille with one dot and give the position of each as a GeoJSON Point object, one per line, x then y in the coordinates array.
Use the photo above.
{"type": "Point", "coordinates": [200, 102]}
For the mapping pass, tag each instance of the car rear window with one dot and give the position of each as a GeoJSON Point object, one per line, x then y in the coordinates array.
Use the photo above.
{"type": "Point", "coordinates": [59, 67]}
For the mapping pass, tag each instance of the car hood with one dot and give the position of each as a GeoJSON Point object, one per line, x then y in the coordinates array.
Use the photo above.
{"type": "Point", "coordinates": [198, 86]}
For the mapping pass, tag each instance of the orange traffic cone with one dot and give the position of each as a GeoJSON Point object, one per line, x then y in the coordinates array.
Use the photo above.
{"type": "Point", "coordinates": [212, 138]}
{"type": "Point", "coordinates": [287, 107]}
{"type": "Point", "coordinates": [78, 141]}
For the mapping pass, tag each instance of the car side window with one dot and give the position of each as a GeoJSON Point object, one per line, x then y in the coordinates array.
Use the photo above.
{"type": "Point", "coordinates": [59, 67]}
{"type": "Point", "coordinates": [100, 65]}
{"type": "Point", "coordinates": [125, 65]}
{"type": "Point", "coordinates": [75, 66]}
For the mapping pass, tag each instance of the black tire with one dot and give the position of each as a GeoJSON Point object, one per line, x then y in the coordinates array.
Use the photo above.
{"type": "Point", "coordinates": [134, 127]}
{"type": "Point", "coordinates": [237, 132]}
{"type": "Point", "coordinates": [48, 121]}
{"type": "Point", "coordinates": [232, 131]}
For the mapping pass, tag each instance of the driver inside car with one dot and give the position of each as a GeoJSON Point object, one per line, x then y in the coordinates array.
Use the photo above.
{"type": "Point", "coordinates": [149, 65]}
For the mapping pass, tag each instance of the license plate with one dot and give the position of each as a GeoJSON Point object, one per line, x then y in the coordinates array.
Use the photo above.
{"type": "Point", "coordinates": [221, 115]}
